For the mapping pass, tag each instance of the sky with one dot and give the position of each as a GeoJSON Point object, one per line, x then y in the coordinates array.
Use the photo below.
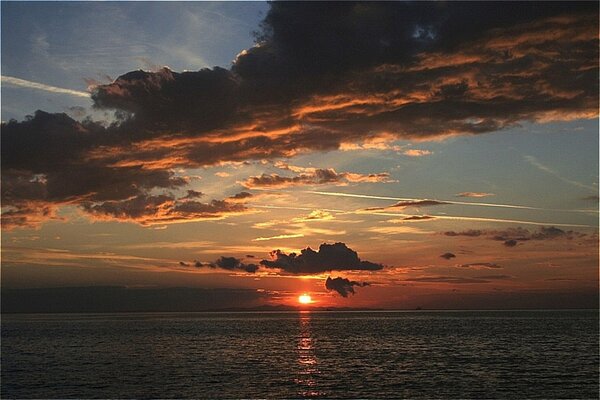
{"type": "Point", "coordinates": [238, 154]}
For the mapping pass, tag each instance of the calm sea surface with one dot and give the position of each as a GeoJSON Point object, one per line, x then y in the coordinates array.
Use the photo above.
{"type": "Point", "coordinates": [488, 354]}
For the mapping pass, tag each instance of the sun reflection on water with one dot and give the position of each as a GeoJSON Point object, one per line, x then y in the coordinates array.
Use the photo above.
{"type": "Point", "coordinates": [308, 363]}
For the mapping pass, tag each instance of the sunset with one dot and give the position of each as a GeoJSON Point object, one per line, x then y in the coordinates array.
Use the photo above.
{"type": "Point", "coordinates": [264, 186]}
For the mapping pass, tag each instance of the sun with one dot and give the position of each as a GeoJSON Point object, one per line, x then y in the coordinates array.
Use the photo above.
{"type": "Point", "coordinates": [304, 299]}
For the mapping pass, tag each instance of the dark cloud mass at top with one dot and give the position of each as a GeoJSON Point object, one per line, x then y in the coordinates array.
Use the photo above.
{"type": "Point", "coordinates": [320, 75]}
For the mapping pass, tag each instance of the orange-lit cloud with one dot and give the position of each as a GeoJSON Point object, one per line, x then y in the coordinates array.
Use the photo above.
{"type": "Point", "coordinates": [307, 92]}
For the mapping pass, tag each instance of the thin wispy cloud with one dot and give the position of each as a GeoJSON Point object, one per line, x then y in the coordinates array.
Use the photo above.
{"type": "Point", "coordinates": [263, 239]}
{"type": "Point", "coordinates": [18, 82]}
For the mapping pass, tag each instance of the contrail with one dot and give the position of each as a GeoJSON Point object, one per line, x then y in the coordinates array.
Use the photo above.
{"type": "Point", "coordinates": [447, 217]}
{"type": "Point", "coordinates": [41, 86]}
{"type": "Point", "coordinates": [534, 161]}
{"type": "Point", "coordinates": [301, 208]}
{"type": "Point", "coordinates": [466, 203]}
{"type": "Point", "coordinates": [478, 219]}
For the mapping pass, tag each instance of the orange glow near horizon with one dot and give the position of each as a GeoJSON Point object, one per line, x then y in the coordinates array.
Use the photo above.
{"type": "Point", "coordinates": [304, 299]}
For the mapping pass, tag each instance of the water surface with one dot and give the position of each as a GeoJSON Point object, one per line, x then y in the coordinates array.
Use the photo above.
{"type": "Point", "coordinates": [487, 354]}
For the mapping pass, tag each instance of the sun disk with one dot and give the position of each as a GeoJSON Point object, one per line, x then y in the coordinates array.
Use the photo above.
{"type": "Point", "coordinates": [304, 299]}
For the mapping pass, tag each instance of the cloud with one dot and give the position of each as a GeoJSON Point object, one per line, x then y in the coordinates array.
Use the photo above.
{"type": "Point", "coordinates": [316, 215]}
{"type": "Point", "coordinates": [484, 265]}
{"type": "Point", "coordinates": [312, 177]}
{"type": "Point", "coordinates": [469, 233]}
{"type": "Point", "coordinates": [342, 285]}
{"type": "Point", "coordinates": [446, 279]}
{"type": "Point", "coordinates": [192, 194]}
{"type": "Point", "coordinates": [319, 78]}
{"type": "Point", "coordinates": [495, 277]}
{"type": "Point", "coordinates": [160, 209]}
{"type": "Point", "coordinates": [512, 236]}
{"type": "Point", "coordinates": [448, 256]}
{"type": "Point", "coordinates": [409, 203]}
{"type": "Point", "coordinates": [232, 263]}
{"type": "Point", "coordinates": [417, 203]}
{"type": "Point", "coordinates": [329, 257]}
{"type": "Point", "coordinates": [591, 198]}
{"type": "Point", "coordinates": [285, 236]}
{"type": "Point", "coordinates": [417, 218]}
{"type": "Point", "coordinates": [416, 153]}
{"type": "Point", "coordinates": [474, 194]}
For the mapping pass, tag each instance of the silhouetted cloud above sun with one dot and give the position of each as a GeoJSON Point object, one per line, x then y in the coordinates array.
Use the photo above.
{"type": "Point", "coordinates": [329, 257]}
{"type": "Point", "coordinates": [342, 285]}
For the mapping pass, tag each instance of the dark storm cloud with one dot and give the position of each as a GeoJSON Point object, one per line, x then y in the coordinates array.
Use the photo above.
{"type": "Point", "coordinates": [337, 256]}
{"type": "Point", "coordinates": [321, 75]}
{"type": "Point", "coordinates": [342, 285]}
{"type": "Point", "coordinates": [448, 256]}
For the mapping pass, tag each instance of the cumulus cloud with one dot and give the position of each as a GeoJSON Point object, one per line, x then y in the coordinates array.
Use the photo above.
{"type": "Point", "coordinates": [320, 77]}
{"type": "Point", "coordinates": [337, 256]}
{"type": "Point", "coordinates": [342, 285]}
{"type": "Point", "coordinates": [329, 257]}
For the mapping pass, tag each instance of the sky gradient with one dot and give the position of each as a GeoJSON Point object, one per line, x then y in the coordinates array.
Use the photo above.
{"type": "Point", "coordinates": [386, 155]}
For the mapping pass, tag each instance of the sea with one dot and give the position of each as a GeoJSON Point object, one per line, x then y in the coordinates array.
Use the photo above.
{"type": "Point", "coordinates": [359, 355]}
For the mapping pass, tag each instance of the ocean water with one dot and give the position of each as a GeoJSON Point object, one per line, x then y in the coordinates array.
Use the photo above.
{"type": "Point", "coordinates": [487, 354]}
